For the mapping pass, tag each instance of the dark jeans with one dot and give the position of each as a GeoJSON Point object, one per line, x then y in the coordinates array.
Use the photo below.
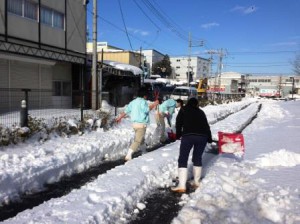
{"type": "Point", "coordinates": [187, 143]}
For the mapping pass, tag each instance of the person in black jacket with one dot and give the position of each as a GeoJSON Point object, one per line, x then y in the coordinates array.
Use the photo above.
{"type": "Point", "coordinates": [193, 129]}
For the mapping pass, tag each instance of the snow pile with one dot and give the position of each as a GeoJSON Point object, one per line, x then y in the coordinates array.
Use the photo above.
{"type": "Point", "coordinates": [262, 190]}
{"type": "Point", "coordinates": [228, 193]}
{"type": "Point", "coordinates": [233, 191]}
{"type": "Point", "coordinates": [278, 158]}
{"type": "Point", "coordinates": [112, 196]}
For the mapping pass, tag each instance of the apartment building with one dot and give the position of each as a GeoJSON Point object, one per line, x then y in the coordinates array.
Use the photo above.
{"type": "Point", "coordinates": [151, 57]}
{"type": "Point", "coordinates": [199, 68]}
{"type": "Point", "coordinates": [43, 47]}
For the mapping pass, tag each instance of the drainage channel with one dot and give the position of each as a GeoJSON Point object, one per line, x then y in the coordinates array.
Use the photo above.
{"type": "Point", "coordinates": [61, 188]}
{"type": "Point", "coordinates": [162, 206]}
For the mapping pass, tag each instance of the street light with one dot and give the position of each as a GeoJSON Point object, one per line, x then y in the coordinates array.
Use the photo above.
{"type": "Point", "coordinates": [293, 84]}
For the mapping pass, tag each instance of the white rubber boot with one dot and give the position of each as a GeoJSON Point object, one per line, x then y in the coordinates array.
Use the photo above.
{"type": "Point", "coordinates": [129, 155]}
{"type": "Point", "coordinates": [197, 175]}
{"type": "Point", "coordinates": [182, 176]}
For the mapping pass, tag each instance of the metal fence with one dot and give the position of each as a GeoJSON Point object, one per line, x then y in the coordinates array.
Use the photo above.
{"type": "Point", "coordinates": [41, 104]}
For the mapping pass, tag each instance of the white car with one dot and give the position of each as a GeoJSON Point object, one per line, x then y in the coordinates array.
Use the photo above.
{"type": "Point", "coordinates": [184, 93]}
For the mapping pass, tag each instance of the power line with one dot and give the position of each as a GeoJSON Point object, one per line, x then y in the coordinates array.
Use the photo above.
{"type": "Point", "coordinates": [126, 31]}
{"type": "Point", "coordinates": [170, 19]}
{"type": "Point", "coordinates": [147, 15]}
{"type": "Point", "coordinates": [163, 19]}
{"type": "Point", "coordinates": [255, 65]}
{"type": "Point", "coordinates": [122, 30]}
{"type": "Point", "coordinates": [261, 52]}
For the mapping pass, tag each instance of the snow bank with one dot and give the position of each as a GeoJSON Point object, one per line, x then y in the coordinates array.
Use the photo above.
{"type": "Point", "coordinates": [99, 200]}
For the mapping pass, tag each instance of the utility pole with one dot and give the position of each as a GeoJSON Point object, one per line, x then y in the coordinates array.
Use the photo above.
{"type": "Point", "coordinates": [95, 102]}
{"type": "Point", "coordinates": [293, 86]}
{"type": "Point", "coordinates": [142, 66]}
{"type": "Point", "coordinates": [220, 68]}
{"type": "Point", "coordinates": [189, 59]}
{"type": "Point", "coordinates": [100, 79]}
{"type": "Point", "coordinates": [211, 52]}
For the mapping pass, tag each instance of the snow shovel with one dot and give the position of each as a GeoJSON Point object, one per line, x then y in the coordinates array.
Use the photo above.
{"type": "Point", "coordinates": [232, 143]}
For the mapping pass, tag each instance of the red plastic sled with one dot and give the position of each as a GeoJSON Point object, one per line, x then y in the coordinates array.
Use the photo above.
{"type": "Point", "coordinates": [231, 143]}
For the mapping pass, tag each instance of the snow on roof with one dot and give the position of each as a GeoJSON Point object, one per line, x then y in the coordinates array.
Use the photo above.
{"type": "Point", "coordinates": [125, 67]}
{"type": "Point", "coordinates": [162, 80]}
{"type": "Point", "coordinates": [155, 76]}
{"type": "Point", "coordinates": [185, 87]}
{"type": "Point", "coordinates": [178, 83]}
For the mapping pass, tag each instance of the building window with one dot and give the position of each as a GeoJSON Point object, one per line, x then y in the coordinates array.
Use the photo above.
{"type": "Point", "coordinates": [58, 20]}
{"type": "Point", "coordinates": [15, 7]}
{"type": "Point", "coordinates": [178, 60]}
{"type": "Point", "coordinates": [46, 16]}
{"type": "Point", "coordinates": [24, 8]}
{"type": "Point", "coordinates": [30, 10]}
{"type": "Point", "coordinates": [52, 18]}
{"type": "Point", "coordinates": [56, 88]}
{"type": "Point", "coordinates": [62, 88]}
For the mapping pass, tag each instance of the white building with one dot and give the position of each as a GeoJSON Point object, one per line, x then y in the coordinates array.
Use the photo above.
{"type": "Point", "coordinates": [283, 84]}
{"type": "Point", "coordinates": [227, 82]}
{"type": "Point", "coordinates": [199, 67]}
{"type": "Point", "coordinates": [234, 82]}
{"type": "Point", "coordinates": [150, 58]}
{"type": "Point", "coordinates": [102, 46]}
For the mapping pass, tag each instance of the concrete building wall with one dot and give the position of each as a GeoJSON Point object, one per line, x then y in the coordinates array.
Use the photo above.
{"type": "Point", "coordinates": [126, 57]}
{"type": "Point", "coordinates": [76, 25]}
{"type": "Point", "coordinates": [152, 57]}
{"type": "Point", "coordinates": [199, 66]}
{"type": "Point", "coordinates": [72, 36]}
{"type": "Point", "coordinates": [2, 17]}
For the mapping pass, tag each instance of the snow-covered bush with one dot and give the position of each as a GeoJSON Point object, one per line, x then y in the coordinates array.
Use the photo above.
{"type": "Point", "coordinates": [41, 130]}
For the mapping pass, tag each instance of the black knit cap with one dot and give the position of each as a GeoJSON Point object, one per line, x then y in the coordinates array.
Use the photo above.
{"type": "Point", "coordinates": [142, 92]}
{"type": "Point", "coordinates": [192, 102]}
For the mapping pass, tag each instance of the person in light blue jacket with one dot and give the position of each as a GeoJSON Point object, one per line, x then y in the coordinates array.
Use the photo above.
{"type": "Point", "coordinates": [138, 110]}
{"type": "Point", "coordinates": [165, 110]}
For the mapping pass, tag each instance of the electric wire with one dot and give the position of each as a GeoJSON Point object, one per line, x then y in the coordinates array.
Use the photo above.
{"type": "Point", "coordinates": [125, 27]}
{"type": "Point", "coordinates": [147, 15]}
{"type": "Point", "coordinates": [164, 20]}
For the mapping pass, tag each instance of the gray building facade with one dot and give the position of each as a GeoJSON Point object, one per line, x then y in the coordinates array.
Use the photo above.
{"type": "Point", "coordinates": [42, 47]}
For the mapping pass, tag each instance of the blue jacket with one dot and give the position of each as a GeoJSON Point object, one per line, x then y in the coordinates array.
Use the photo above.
{"type": "Point", "coordinates": [138, 110]}
{"type": "Point", "coordinates": [168, 107]}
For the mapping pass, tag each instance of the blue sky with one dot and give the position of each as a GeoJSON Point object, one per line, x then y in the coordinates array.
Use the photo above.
{"type": "Point", "coordinates": [260, 36]}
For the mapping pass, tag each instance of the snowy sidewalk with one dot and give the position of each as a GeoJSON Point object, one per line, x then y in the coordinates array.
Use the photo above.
{"type": "Point", "coordinates": [27, 167]}
{"type": "Point", "coordinates": [264, 187]}
{"type": "Point", "coordinates": [118, 192]}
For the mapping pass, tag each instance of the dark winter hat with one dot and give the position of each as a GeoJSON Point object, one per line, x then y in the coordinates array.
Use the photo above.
{"type": "Point", "coordinates": [192, 102]}
{"type": "Point", "coordinates": [142, 92]}
{"type": "Point", "coordinates": [180, 101]}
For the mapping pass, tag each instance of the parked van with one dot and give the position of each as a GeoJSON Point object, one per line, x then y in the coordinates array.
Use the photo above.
{"type": "Point", "coordinates": [184, 93]}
